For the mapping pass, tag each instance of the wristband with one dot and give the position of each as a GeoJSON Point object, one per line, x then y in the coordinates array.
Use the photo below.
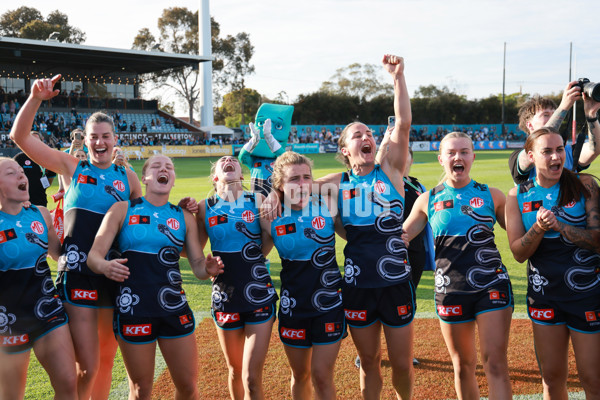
{"type": "Point", "coordinates": [592, 120]}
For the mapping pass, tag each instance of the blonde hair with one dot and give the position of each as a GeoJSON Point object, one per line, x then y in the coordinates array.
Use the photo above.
{"type": "Point", "coordinates": [213, 170]}
{"type": "Point", "coordinates": [453, 135]}
{"type": "Point", "coordinates": [287, 158]}
{"type": "Point", "coordinates": [149, 160]}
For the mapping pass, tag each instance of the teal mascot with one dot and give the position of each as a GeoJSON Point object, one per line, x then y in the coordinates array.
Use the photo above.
{"type": "Point", "coordinates": [269, 139]}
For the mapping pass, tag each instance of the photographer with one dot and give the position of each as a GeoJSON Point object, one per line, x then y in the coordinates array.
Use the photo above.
{"type": "Point", "coordinates": [540, 112]}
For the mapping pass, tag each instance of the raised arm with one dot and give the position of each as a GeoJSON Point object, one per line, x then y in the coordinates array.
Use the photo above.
{"type": "Point", "coordinates": [394, 161]}
{"type": "Point", "coordinates": [38, 151]}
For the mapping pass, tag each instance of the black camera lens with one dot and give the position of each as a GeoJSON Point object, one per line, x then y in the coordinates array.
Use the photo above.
{"type": "Point", "coordinates": [592, 90]}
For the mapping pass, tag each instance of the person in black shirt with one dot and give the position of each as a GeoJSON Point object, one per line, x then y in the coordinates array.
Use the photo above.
{"type": "Point", "coordinates": [39, 178]}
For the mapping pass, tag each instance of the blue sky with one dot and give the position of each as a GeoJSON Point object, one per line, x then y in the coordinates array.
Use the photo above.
{"type": "Point", "coordinates": [457, 43]}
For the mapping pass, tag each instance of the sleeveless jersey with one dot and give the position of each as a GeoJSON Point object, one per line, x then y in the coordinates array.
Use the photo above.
{"type": "Point", "coordinates": [27, 293]}
{"type": "Point", "coordinates": [235, 235]}
{"type": "Point", "coordinates": [261, 170]}
{"type": "Point", "coordinates": [310, 277]}
{"type": "Point", "coordinates": [467, 260]}
{"type": "Point", "coordinates": [91, 193]}
{"type": "Point", "coordinates": [372, 213]}
{"type": "Point", "coordinates": [558, 269]}
{"type": "Point", "coordinates": [151, 239]}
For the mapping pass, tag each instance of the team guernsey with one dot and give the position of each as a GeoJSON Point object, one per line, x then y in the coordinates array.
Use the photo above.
{"type": "Point", "coordinates": [28, 298]}
{"type": "Point", "coordinates": [235, 235]}
{"type": "Point", "coordinates": [372, 213]}
{"type": "Point", "coordinates": [558, 270]}
{"type": "Point", "coordinates": [91, 193]}
{"type": "Point", "coordinates": [151, 239]}
{"type": "Point", "coordinates": [311, 283]}
{"type": "Point", "coordinates": [467, 260]}
{"type": "Point", "coordinates": [261, 170]}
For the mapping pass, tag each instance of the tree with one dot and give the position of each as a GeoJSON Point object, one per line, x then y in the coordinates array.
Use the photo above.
{"type": "Point", "coordinates": [178, 33]}
{"type": "Point", "coordinates": [229, 112]}
{"type": "Point", "coordinates": [362, 80]}
{"type": "Point", "coordinates": [28, 23]}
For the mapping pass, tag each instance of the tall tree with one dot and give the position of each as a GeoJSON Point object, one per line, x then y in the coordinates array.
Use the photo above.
{"type": "Point", "coordinates": [362, 80]}
{"type": "Point", "coordinates": [178, 33]}
{"type": "Point", "coordinates": [28, 23]}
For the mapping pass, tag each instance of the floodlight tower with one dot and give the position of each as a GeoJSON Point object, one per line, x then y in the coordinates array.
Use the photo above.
{"type": "Point", "coordinates": [206, 106]}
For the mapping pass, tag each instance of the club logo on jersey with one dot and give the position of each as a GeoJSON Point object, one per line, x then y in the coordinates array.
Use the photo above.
{"type": "Point", "coordinates": [443, 205]}
{"type": "Point", "coordinates": [137, 330]}
{"type": "Point", "coordinates": [349, 194]}
{"type": "Point", "coordinates": [293, 334]}
{"type": "Point", "coordinates": [173, 224]}
{"type": "Point", "coordinates": [592, 316]}
{"type": "Point", "coordinates": [7, 235]}
{"type": "Point", "coordinates": [217, 220]}
{"type": "Point", "coordinates": [571, 204]}
{"type": "Point", "coordinates": [248, 216]}
{"type": "Point", "coordinates": [532, 206]}
{"type": "Point", "coordinates": [27, 162]}
{"type": "Point", "coordinates": [119, 185]}
{"type": "Point", "coordinates": [380, 187]}
{"type": "Point", "coordinates": [15, 340]}
{"type": "Point", "coordinates": [476, 202]}
{"type": "Point", "coordinates": [139, 219]}
{"type": "Point", "coordinates": [37, 227]}
{"type": "Point", "coordinates": [87, 180]}
{"type": "Point", "coordinates": [318, 223]}
{"type": "Point", "coordinates": [541, 314]}
{"type": "Point", "coordinates": [449, 311]}
{"type": "Point", "coordinates": [285, 229]}
{"type": "Point", "coordinates": [356, 315]}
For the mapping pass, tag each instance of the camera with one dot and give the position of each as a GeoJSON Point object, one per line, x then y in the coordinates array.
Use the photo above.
{"type": "Point", "coordinates": [592, 89]}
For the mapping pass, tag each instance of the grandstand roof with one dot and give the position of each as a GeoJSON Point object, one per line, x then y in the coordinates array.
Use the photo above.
{"type": "Point", "coordinates": [27, 57]}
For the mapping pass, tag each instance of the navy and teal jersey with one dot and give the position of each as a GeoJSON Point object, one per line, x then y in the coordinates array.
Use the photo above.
{"type": "Point", "coordinates": [462, 220]}
{"type": "Point", "coordinates": [235, 235]}
{"type": "Point", "coordinates": [28, 297]}
{"type": "Point", "coordinates": [151, 239]}
{"type": "Point", "coordinates": [558, 269]}
{"type": "Point", "coordinates": [372, 212]}
{"type": "Point", "coordinates": [261, 170]}
{"type": "Point", "coordinates": [91, 193]}
{"type": "Point", "coordinates": [311, 283]}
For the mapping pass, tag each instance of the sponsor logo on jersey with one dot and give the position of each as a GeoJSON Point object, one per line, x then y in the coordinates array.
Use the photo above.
{"type": "Point", "coordinates": [541, 314]}
{"type": "Point", "coordinates": [173, 224]}
{"type": "Point", "coordinates": [356, 315]}
{"type": "Point", "coordinates": [119, 185]}
{"type": "Point", "coordinates": [571, 204]}
{"type": "Point", "coordinates": [87, 180]}
{"type": "Point", "coordinates": [318, 223]}
{"type": "Point", "coordinates": [37, 227]}
{"type": "Point", "coordinates": [223, 317]}
{"type": "Point", "coordinates": [497, 295]}
{"type": "Point", "coordinates": [139, 219]}
{"type": "Point", "coordinates": [248, 216]}
{"type": "Point", "coordinates": [15, 340]}
{"type": "Point", "coordinates": [591, 316]}
{"type": "Point", "coordinates": [80, 294]}
{"type": "Point", "coordinates": [443, 205]}
{"type": "Point", "coordinates": [293, 334]}
{"type": "Point", "coordinates": [217, 220]}
{"type": "Point", "coordinates": [449, 311]}
{"type": "Point", "coordinates": [349, 194]}
{"type": "Point", "coordinates": [185, 319]}
{"type": "Point", "coordinates": [137, 330]}
{"type": "Point", "coordinates": [476, 202]}
{"type": "Point", "coordinates": [8, 234]}
{"type": "Point", "coordinates": [532, 206]}
{"type": "Point", "coordinates": [404, 310]}
{"type": "Point", "coordinates": [257, 164]}
{"type": "Point", "coordinates": [380, 187]}
{"type": "Point", "coordinates": [285, 229]}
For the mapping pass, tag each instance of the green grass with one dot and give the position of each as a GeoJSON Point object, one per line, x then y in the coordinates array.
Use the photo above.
{"type": "Point", "coordinates": [491, 167]}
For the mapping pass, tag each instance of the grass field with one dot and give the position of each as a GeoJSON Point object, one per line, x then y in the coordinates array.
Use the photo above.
{"type": "Point", "coordinates": [491, 167]}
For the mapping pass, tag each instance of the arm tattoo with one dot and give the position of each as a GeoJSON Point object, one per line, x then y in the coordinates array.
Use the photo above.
{"type": "Point", "coordinates": [578, 236]}
{"type": "Point", "coordinates": [591, 136]}
{"type": "Point", "coordinates": [557, 118]}
{"type": "Point", "coordinates": [529, 237]}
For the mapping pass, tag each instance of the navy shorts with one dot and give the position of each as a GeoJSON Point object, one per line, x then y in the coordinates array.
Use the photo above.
{"type": "Point", "coordinates": [95, 291]}
{"type": "Point", "coordinates": [140, 330]}
{"type": "Point", "coordinates": [20, 340]}
{"type": "Point", "coordinates": [233, 320]}
{"type": "Point", "coordinates": [582, 315]}
{"type": "Point", "coordinates": [394, 305]}
{"type": "Point", "coordinates": [323, 329]}
{"type": "Point", "coordinates": [457, 308]}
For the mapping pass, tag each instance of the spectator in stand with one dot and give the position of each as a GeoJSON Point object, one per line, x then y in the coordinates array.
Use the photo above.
{"type": "Point", "coordinates": [132, 127]}
{"type": "Point", "coordinates": [123, 126]}
{"type": "Point", "coordinates": [144, 128]}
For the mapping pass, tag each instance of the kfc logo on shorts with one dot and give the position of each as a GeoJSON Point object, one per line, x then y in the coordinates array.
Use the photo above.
{"type": "Point", "coordinates": [449, 311]}
{"type": "Point", "coordinates": [37, 227]}
{"type": "Point", "coordinates": [571, 204]}
{"type": "Point", "coordinates": [248, 216]}
{"type": "Point", "coordinates": [356, 315]}
{"type": "Point", "coordinates": [476, 202]}
{"type": "Point", "coordinates": [15, 340]}
{"type": "Point", "coordinates": [380, 187]}
{"type": "Point", "coordinates": [137, 330]}
{"type": "Point", "coordinates": [318, 223]}
{"type": "Point", "coordinates": [592, 316]}
{"type": "Point", "coordinates": [224, 318]}
{"type": "Point", "coordinates": [293, 334]}
{"type": "Point", "coordinates": [541, 314]}
{"type": "Point", "coordinates": [173, 224]}
{"type": "Point", "coordinates": [80, 294]}
{"type": "Point", "coordinates": [119, 185]}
